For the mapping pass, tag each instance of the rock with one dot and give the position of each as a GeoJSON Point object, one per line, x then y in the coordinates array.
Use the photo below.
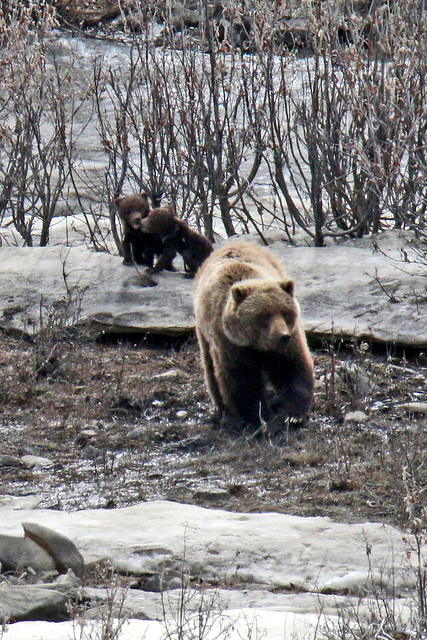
{"type": "Point", "coordinates": [36, 462]}
{"type": "Point", "coordinates": [14, 502]}
{"type": "Point", "coordinates": [10, 461]}
{"type": "Point", "coordinates": [360, 383]}
{"type": "Point", "coordinates": [42, 549]}
{"type": "Point", "coordinates": [415, 407]}
{"type": "Point", "coordinates": [39, 602]}
{"type": "Point", "coordinates": [85, 436]}
{"type": "Point", "coordinates": [190, 444]}
{"type": "Point", "coordinates": [63, 551]}
{"type": "Point", "coordinates": [136, 433]}
{"type": "Point", "coordinates": [67, 582]}
{"type": "Point", "coordinates": [21, 553]}
{"type": "Point", "coordinates": [108, 611]}
{"type": "Point", "coordinates": [334, 299]}
{"type": "Point", "coordinates": [172, 373]}
{"type": "Point", "coordinates": [164, 581]}
{"type": "Point", "coordinates": [274, 549]}
{"type": "Point", "coordinates": [32, 603]}
{"type": "Point", "coordinates": [355, 416]}
{"type": "Point", "coordinates": [283, 569]}
{"type": "Point", "coordinates": [381, 406]}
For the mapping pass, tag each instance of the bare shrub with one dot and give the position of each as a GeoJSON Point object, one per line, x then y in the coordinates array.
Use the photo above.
{"type": "Point", "coordinates": [382, 616]}
{"type": "Point", "coordinates": [186, 127]}
{"type": "Point", "coordinates": [111, 613]}
{"type": "Point", "coordinates": [352, 135]}
{"type": "Point", "coordinates": [416, 510]}
{"type": "Point", "coordinates": [36, 123]}
{"type": "Point", "coordinates": [232, 125]}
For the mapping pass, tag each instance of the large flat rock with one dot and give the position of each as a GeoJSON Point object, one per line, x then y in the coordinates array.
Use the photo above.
{"type": "Point", "coordinates": [38, 284]}
{"type": "Point", "coordinates": [283, 575]}
{"type": "Point", "coordinates": [349, 290]}
{"type": "Point", "coordinates": [269, 549]}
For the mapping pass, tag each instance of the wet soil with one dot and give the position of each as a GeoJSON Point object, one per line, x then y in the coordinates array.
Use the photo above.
{"type": "Point", "coordinates": [130, 420]}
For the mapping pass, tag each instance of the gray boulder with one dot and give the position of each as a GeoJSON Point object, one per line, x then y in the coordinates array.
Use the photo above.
{"type": "Point", "coordinates": [42, 549]}
{"type": "Point", "coordinates": [63, 551]}
{"type": "Point", "coordinates": [26, 602]}
{"type": "Point", "coordinates": [19, 553]}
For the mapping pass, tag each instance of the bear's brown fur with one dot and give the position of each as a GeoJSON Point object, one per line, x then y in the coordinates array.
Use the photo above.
{"type": "Point", "coordinates": [137, 202]}
{"type": "Point", "coordinates": [177, 236]}
{"type": "Point", "coordinates": [250, 335]}
{"type": "Point", "coordinates": [137, 246]}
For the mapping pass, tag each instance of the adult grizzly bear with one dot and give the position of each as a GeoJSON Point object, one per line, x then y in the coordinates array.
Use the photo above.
{"type": "Point", "coordinates": [138, 247]}
{"type": "Point", "coordinates": [250, 335]}
{"type": "Point", "coordinates": [177, 236]}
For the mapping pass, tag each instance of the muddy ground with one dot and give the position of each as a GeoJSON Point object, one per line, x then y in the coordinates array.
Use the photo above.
{"type": "Point", "coordinates": [129, 420]}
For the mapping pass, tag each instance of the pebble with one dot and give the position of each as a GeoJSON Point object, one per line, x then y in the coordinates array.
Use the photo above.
{"type": "Point", "coordinates": [415, 407]}
{"type": "Point", "coordinates": [355, 416]}
{"type": "Point", "coordinates": [210, 493]}
{"type": "Point", "coordinates": [9, 461]}
{"type": "Point", "coordinates": [172, 373]}
{"type": "Point", "coordinates": [86, 435]}
{"type": "Point", "coordinates": [36, 462]}
{"type": "Point", "coordinates": [380, 406]}
{"type": "Point", "coordinates": [136, 433]}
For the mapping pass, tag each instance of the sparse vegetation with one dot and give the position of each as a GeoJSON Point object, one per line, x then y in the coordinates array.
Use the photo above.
{"type": "Point", "coordinates": [241, 132]}
{"type": "Point", "coordinates": [111, 610]}
{"type": "Point", "coordinates": [118, 410]}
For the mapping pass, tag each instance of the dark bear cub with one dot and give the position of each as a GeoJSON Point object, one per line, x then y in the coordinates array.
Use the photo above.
{"type": "Point", "coordinates": [177, 237]}
{"type": "Point", "coordinates": [254, 352]}
{"type": "Point", "coordinates": [137, 246]}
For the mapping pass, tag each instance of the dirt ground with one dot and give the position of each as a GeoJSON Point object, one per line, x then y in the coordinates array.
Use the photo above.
{"type": "Point", "coordinates": [129, 420]}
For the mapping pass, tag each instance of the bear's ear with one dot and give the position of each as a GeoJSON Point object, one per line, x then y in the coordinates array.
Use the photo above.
{"type": "Point", "coordinates": [239, 293]}
{"type": "Point", "coordinates": [287, 286]}
{"type": "Point", "coordinates": [118, 201]}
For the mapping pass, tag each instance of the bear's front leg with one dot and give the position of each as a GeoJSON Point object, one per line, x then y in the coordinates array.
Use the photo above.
{"type": "Point", "coordinates": [164, 262]}
{"type": "Point", "coordinates": [293, 382]}
{"type": "Point", "coordinates": [127, 251]}
{"type": "Point", "coordinates": [208, 368]}
{"type": "Point", "coordinates": [240, 384]}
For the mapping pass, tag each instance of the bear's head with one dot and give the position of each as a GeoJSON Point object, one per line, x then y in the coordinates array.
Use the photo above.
{"type": "Point", "coordinates": [261, 314]}
{"type": "Point", "coordinates": [161, 220]}
{"type": "Point", "coordinates": [127, 205]}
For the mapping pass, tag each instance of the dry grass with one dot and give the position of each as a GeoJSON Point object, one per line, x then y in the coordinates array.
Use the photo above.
{"type": "Point", "coordinates": [131, 421]}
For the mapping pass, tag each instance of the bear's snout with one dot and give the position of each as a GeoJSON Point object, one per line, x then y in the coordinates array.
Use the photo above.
{"type": "Point", "coordinates": [283, 341]}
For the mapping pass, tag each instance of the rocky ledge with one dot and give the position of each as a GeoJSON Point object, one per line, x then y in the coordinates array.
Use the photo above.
{"type": "Point", "coordinates": [372, 289]}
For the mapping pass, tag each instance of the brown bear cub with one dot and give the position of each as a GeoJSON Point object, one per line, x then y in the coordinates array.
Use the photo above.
{"type": "Point", "coordinates": [138, 247]}
{"type": "Point", "coordinates": [254, 352]}
{"type": "Point", "coordinates": [177, 237]}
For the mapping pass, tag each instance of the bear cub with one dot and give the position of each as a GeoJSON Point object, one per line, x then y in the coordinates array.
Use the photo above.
{"type": "Point", "coordinates": [177, 237]}
{"type": "Point", "coordinates": [255, 357]}
{"type": "Point", "coordinates": [138, 247]}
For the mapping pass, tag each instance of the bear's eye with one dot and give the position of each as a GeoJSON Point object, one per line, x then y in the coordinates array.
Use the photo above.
{"type": "Point", "coordinates": [263, 318]}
